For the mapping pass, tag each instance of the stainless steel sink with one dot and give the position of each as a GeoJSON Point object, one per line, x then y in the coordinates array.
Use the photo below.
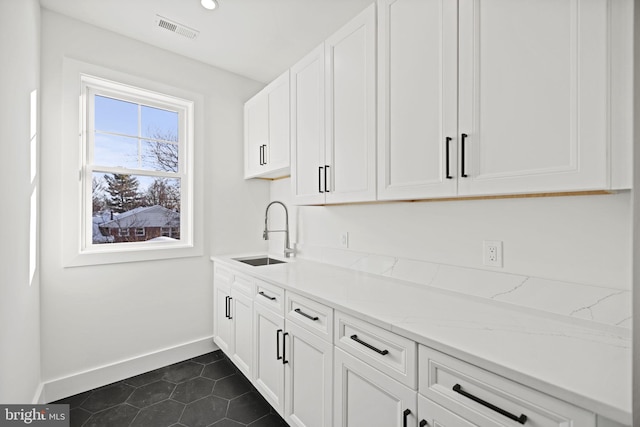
{"type": "Point", "coordinates": [258, 261]}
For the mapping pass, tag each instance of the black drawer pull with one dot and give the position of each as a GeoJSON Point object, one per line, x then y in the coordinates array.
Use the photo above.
{"type": "Point", "coordinates": [377, 350]}
{"type": "Point", "coordinates": [448, 172]}
{"type": "Point", "coordinates": [284, 348]}
{"type": "Point", "coordinates": [406, 414]}
{"type": "Point", "coordinates": [226, 307]}
{"type": "Point", "coordinates": [463, 145]}
{"type": "Point", "coordinates": [521, 419]}
{"type": "Point", "coordinates": [278, 332]}
{"type": "Point", "coordinates": [302, 313]}
{"type": "Point", "coordinates": [266, 296]}
{"type": "Point", "coordinates": [320, 170]}
{"type": "Point", "coordinates": [326, 170]}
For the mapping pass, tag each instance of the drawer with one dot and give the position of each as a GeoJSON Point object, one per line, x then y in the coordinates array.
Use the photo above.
{"type": "Point", "coordinates": [490, 400]}
{"type": "Point", "coordinates": [243, 284]}
{"type": "Point", "coordinates": [392, 354]}
{"type": "Point", "coordinates": [313, 316]}
{"type": "Point", "coordinates": [222, 274]}
{"type": "Point", "coordinates": [270, 296]}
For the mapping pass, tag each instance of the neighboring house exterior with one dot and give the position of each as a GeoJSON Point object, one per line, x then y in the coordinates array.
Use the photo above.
{"type": "Point", "coordinates": [138, 225]}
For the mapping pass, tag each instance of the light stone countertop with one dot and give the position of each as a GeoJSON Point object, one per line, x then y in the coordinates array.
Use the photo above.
{"type": "Point", "coordinates": [586, 364]}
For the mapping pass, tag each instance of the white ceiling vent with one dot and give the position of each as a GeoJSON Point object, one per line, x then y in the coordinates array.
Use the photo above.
{"type": "Point", "coordinates": [177, 28]}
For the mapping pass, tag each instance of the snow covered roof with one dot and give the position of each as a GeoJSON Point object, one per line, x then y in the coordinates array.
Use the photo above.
{"type": "Point", "coordinates": [148, 216]}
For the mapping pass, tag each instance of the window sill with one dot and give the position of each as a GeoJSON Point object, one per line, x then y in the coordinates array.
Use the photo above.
{"type": "Point", "coordinates": [132, 254]}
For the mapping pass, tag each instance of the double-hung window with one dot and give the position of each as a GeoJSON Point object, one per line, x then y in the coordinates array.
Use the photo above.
{"type": "Point", "coordinates": [136, 175]}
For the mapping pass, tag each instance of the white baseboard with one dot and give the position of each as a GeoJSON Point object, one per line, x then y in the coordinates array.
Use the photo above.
{"type": "Point", "coordinates": [60, 388]}
{"type": "Point", "coordinates": [38, 397]}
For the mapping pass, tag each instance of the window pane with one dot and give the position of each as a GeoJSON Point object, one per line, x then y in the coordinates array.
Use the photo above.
{"type": "Point", "coordinates": [115, 151]}
{"type": "Point", "coordinates": [159, 124]}
{"type": "Point", "coordinates": [135, 208]}
{"type": "Point", "coordinates": [160, 156]}
{"type": "Point", "coordinates": [113, 115]}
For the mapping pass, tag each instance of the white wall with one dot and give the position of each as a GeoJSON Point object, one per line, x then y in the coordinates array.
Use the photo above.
{"type": "Point", "coordinates": [582, 239]}
{"type": "Point", "coordinates": [100, 315]}
{"type": "Point", "coordinates": [19, 285]}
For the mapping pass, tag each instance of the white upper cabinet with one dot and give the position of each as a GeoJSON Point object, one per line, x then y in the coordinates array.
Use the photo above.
{"type": "Point", "coordinates": [350, 110]}
{"type": "Point", "coordinates": [307, 128]}
{"type": "Point", "coordinates": [533, 96]}
{"type": "Point", "coordinates": [417, 98]}
{"type": "Point", "coordinates": [266, 131]}
{"type": "Point", "coordinates": [486, 97]}
{"type": "Point", "coordinates": [333, 116]}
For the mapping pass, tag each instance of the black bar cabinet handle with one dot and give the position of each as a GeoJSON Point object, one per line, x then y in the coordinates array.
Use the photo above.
{"type": "Point", "coordinates": [448, 143]}
{"type": "Point", "coordinates": [463, 145]}
{"type": "Point", "coordinates": [266, 296]}
{"type": "Point", "coordinates": [278, 332]}
{"type": "Point", "coordinates": [521, 419]}
{"type": "Point", "coordinates": [302, 313]}
{"type": "Point", "coordinates": [264, 154]}
{"type": "Point", "coordinates": [406, 414]}
{"type": "Point", "coordinates": [226, 307]}
{"type": "Point", "coordinates": [229, 308]}
{"type": "Point", "coordinates": [320, 168]}
{"type": "Point", "coordinates": [377, 350]}
{"type": "Point", "coordinates": [423, 423]}
{"type": "Point", "coordinates": [326, 171]}
{"type": "Point", "coordinates": [284, 358]}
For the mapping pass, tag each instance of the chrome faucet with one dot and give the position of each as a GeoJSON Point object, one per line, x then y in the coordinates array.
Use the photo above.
{"type": "Point", "coordinates": [288, 251]}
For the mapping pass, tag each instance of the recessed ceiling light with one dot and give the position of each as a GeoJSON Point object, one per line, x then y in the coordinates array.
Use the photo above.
{"type": "Point", "coordinates": [209, 4]}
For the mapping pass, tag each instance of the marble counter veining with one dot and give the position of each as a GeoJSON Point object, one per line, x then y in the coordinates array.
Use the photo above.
{"type": "Point", "coordinates": [587, 365]}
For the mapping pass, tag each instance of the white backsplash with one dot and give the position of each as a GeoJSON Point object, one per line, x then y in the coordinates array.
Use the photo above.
{"type": "Point", "coordinates": [587, 302]}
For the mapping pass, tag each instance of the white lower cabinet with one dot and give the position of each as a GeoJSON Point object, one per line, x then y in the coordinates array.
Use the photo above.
{"type": "Point", "coordinates": [293, 362]}
{"type": "Point", "coordinates": [222, 279]}
{"type": "Point", "coordinates": [233, 317]}
{"type": "Point", "coordinates": [269, 357]}
{"type": "Point", "coordinates": [364, 396]}
{"type": "Point", "coordinates": [318, 368]}
{"type": "Point", "coordinates": [308, 378]}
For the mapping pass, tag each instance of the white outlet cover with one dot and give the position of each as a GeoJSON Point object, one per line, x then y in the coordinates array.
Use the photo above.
{"type": "Point", "coordinates": [492, 253]}
{"type": "Point", "coordinates": [344, 240]}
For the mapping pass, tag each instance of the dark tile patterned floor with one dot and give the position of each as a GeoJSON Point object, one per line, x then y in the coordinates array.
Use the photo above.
{"type": "Point", "coordinates": [204, 391]}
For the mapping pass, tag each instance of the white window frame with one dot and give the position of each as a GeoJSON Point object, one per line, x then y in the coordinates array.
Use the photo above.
{"type": "Point", "coordinates": [92, 86]}
{"type": "Point", "coordinates": [74, 192]}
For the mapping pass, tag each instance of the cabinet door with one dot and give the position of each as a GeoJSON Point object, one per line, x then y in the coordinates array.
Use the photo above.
{"type": "Point", "coordinates": [242, 353]}
{"type": "Point", "coordinates": [308, 379]}
{"type": "Point", "coordinates": [269, 366]}
{"type": "Point", "coordinates": [435, 415]}
{"type": "Point", "coordinates": [533, 95]}
{"type": "Point", "coordinates": [307, 128]}
{"type": "Point", "coordinates": [277, 155]}
{"type": "Point", "coordinates": [222, 324]}
{"type": "Point", "coordinates": [417, 99]}
{"type": "Point", "coordinates": [256, 134]}
{"type": "Point", "coordinates": [351, 110]}
{"type": "Point", "coordinates": [364, 396]}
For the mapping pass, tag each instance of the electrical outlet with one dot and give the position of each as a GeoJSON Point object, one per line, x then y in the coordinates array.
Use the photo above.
{"type": "Point", "coordinates": [492, 253]}
{"type": "Point", "coordinates": [344, 240]}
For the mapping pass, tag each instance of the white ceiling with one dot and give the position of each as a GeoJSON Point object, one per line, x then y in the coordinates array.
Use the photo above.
{"type": "Point", "coordinates": [258, 39]}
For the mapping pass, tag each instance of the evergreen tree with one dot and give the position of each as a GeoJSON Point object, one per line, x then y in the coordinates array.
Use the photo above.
{"type": "Point", "coordinates": [123, 190]}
